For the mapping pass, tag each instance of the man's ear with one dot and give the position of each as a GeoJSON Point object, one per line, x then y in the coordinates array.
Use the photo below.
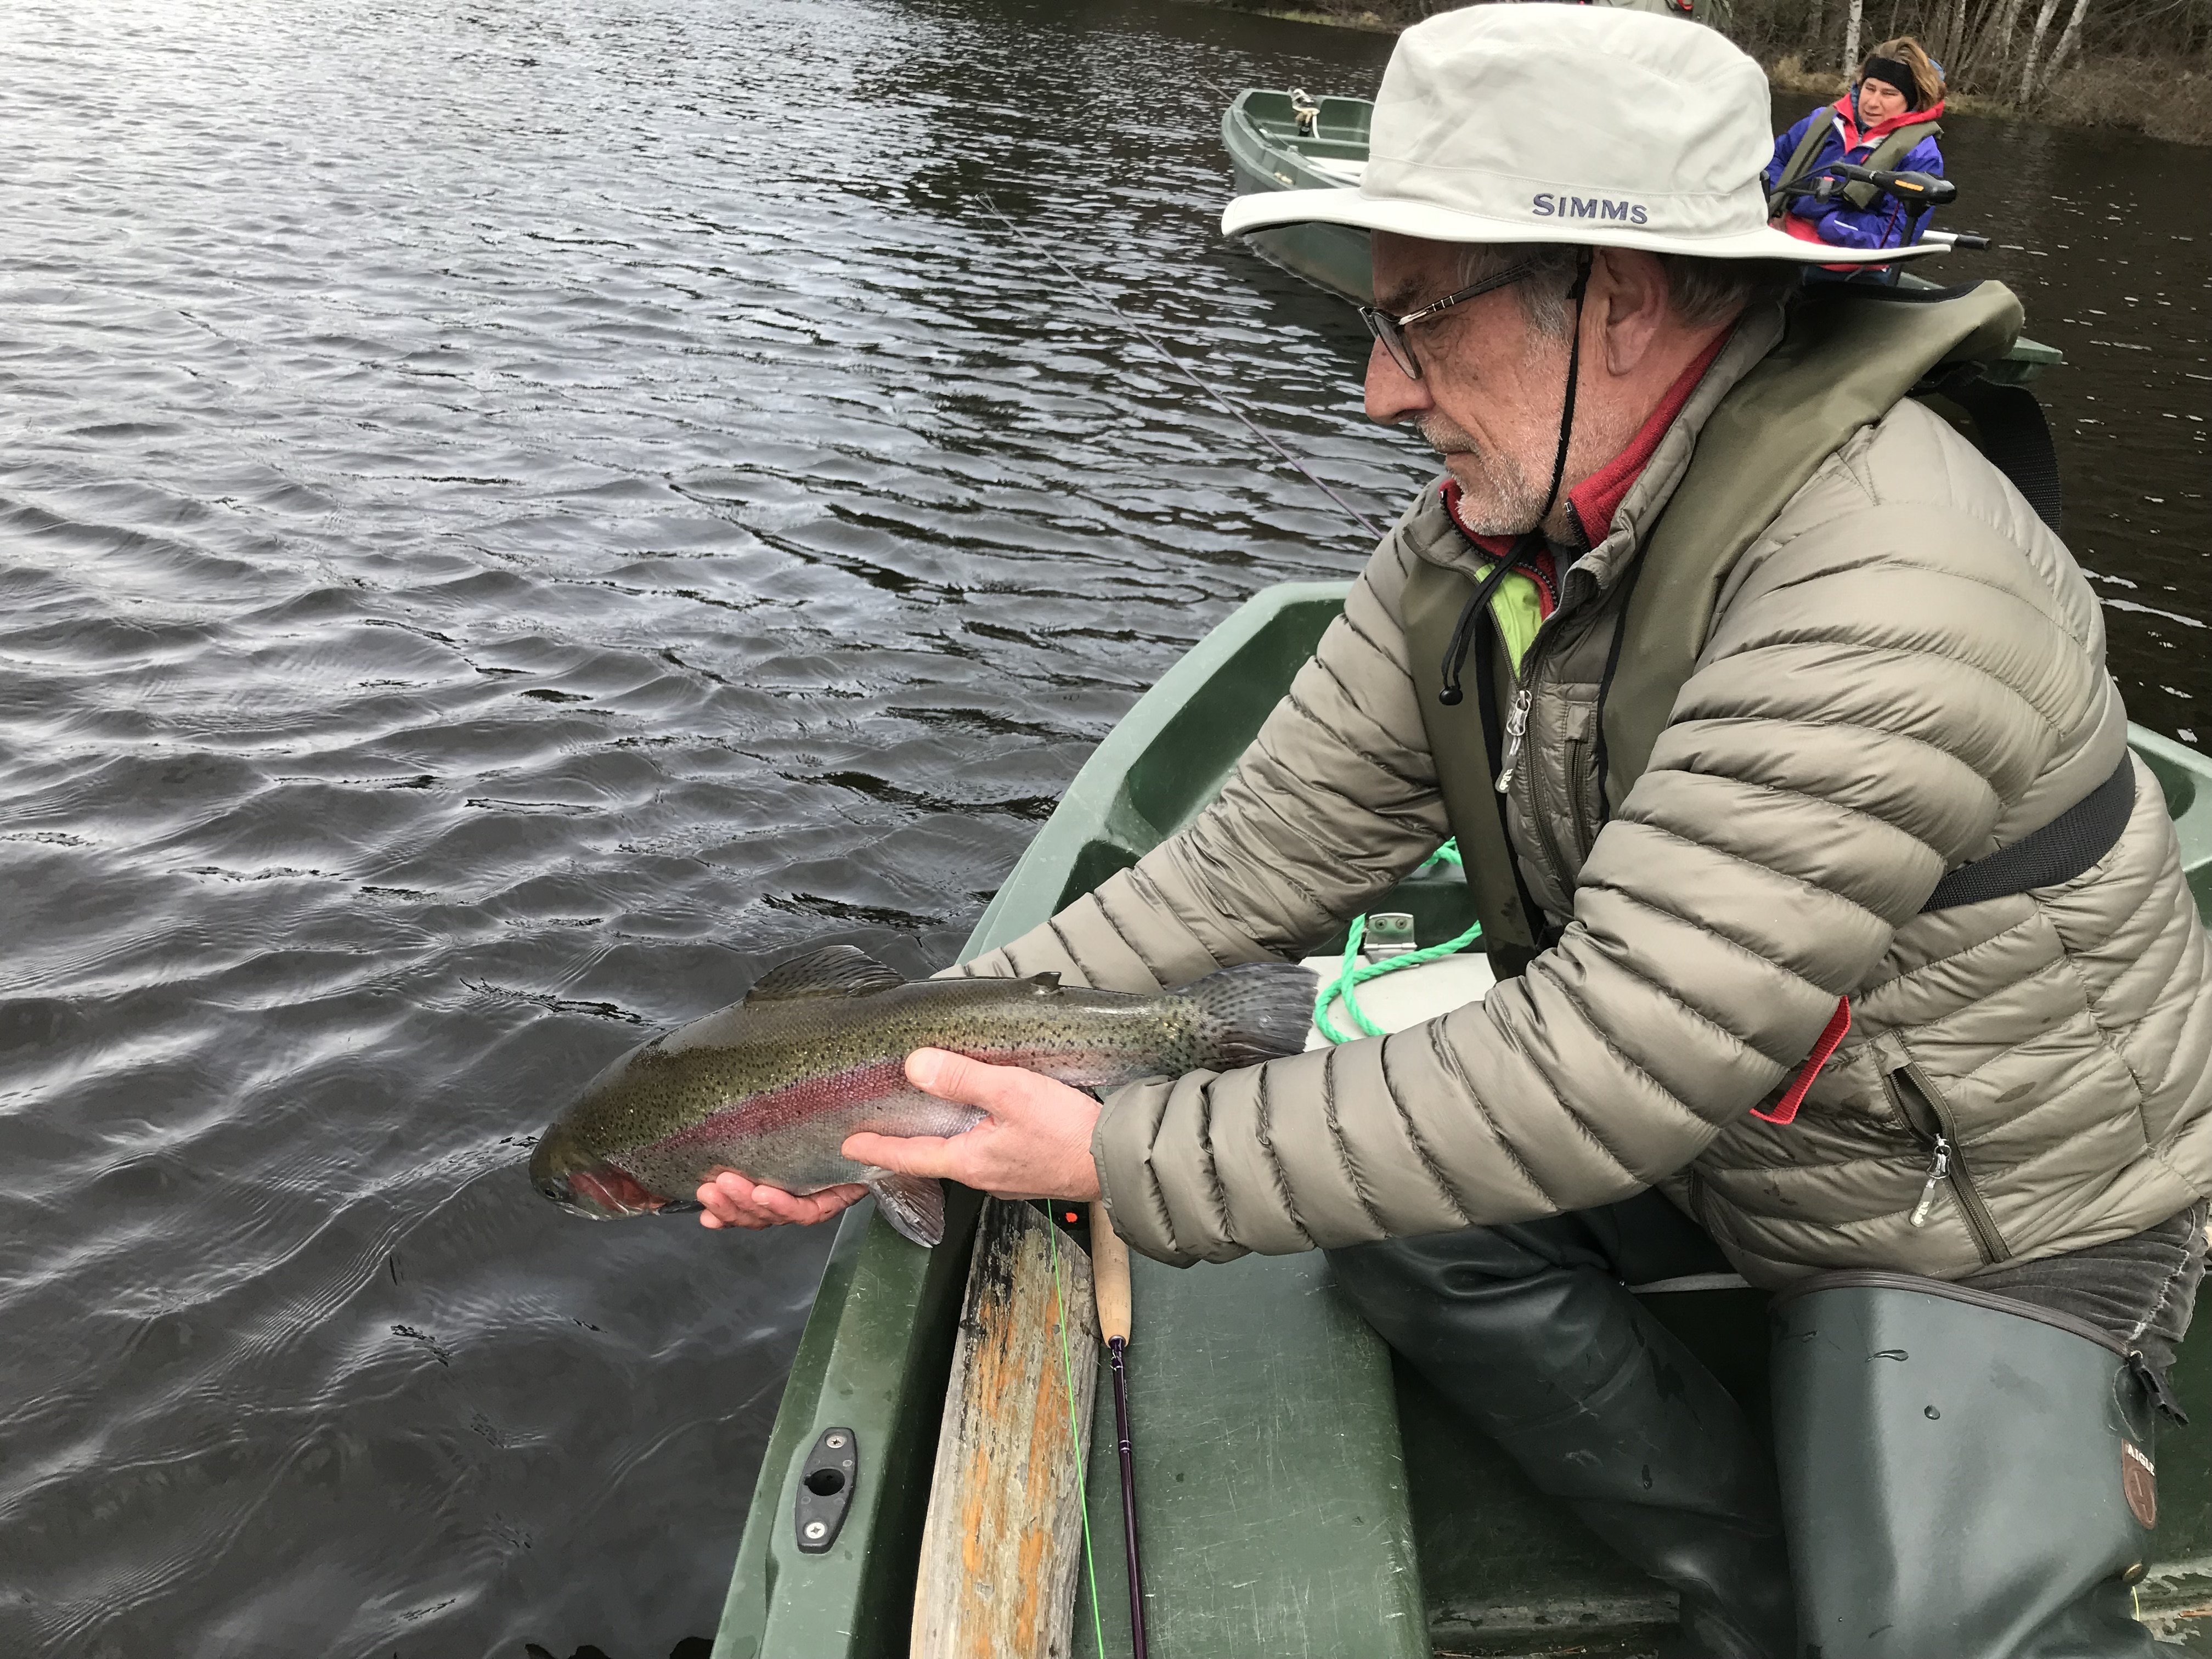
{"type": "Point", "coordinates": [1634, 305]}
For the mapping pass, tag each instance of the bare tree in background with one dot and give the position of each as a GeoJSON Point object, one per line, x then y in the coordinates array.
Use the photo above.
{"type": "Point", "coordinates": [1819, 27]}
{"type": "Point", "coordinates": [1851, 39]}
{"type": "Point", "coordinates": [2067, 42]}
{"type": "Point", "coordinates": [1992, 50]}
{"type": "Point", "coordinates": [1953, 38]}
{"type": "Point", "coordinates": [2028, 64]}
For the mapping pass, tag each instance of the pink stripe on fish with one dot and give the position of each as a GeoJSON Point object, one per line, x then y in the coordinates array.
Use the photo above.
{"type": "Point", "coordinates": [795, 1103]}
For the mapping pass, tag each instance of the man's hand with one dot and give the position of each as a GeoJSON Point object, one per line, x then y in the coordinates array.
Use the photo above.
{"type": "Point", "coordinates": [1035, 1144]}
{"type": "Point", "coordinates": [734, 1201]}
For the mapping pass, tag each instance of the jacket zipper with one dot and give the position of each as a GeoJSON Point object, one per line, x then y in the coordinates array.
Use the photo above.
{"type": "Point", "coordinates": [1938, 1168]}
{"type": "Point", "coordinates": [1516, 720]}
{"type": "Point", "coordinates": [1516, 728]}
{"type": "Point", "coordinates": [1946, 1161]}
{"type": "Point", "coordinates": [1517, 716]}
{"type": "Point", "coordinates": [1516, 733]}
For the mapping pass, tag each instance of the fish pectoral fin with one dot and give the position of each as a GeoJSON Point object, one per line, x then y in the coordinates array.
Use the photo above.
{"type": "Point", "coordinates": [835, 970]}
{"type": "Point", "coordinates": [912, 1204]}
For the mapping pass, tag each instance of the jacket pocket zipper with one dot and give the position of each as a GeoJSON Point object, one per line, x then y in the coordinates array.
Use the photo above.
{"type": "Point", "coordinates": [1560, 831]}
{"type": "Point", "coordinates": [1585, 791]}
{"type": "Point", "coordinates": [1946, 1162]}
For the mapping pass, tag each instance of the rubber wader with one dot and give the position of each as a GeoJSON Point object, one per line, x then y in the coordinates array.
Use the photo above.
{"type": "Point", "coordinates": [1963, 1477]}
{"type": "Point", "coordinates": [1527, 1331]}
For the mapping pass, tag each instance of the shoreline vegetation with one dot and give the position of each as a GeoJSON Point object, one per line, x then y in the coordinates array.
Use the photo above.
{"type": "Point", "coordinates": [2137, 65]}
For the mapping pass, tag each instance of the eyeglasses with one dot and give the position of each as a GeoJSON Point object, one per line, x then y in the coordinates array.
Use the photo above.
{"type": "Point", "coordinates": [1391, 330]}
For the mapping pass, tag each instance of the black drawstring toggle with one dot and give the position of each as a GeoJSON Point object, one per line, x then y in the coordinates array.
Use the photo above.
{"type": "Point", "coordinates": [1451, 694]}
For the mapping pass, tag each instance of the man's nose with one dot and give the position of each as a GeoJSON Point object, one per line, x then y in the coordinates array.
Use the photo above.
{"type": "Point", "coordinates": [1394, 396]}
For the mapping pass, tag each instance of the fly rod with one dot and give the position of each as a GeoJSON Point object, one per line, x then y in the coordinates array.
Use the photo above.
{"type": "Point", "coordinates": [1182, 367]}
{"type": "Point", "coordinates": [1109, 1279]}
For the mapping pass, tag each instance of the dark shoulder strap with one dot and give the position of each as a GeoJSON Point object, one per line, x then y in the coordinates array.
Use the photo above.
{"type": "Point", "coordinates": [1433, 599]}
{"type": "Point", "coordinates": [1846, 359]}
{"type": "Point", "coordinates": [1817, 128]}
{"type": "Point", "coordinates": [2069, 845]}
{"type": "Point", "coordinates": [2007, 425]}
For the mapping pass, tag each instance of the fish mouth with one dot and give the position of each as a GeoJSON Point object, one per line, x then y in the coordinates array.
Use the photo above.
{"type": "Point", "coordinates": [606, 1193]}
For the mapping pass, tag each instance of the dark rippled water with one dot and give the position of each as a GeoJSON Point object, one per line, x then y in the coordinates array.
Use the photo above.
{"type": "Point", "coordinates": [514, 516]}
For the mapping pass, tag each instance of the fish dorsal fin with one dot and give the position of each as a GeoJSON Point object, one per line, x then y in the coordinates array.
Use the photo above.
{"type": "Point", "coordinates": [835, 970]}
{"type": "Point", "coordinates": [1043, 984]}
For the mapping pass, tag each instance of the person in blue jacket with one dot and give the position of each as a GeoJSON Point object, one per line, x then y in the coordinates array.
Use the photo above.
{"type": "Point", "coordinates": [1889, 121]}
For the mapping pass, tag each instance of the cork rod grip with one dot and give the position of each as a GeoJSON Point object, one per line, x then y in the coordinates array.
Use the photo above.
{"type": "Point", "coordinates": [1110, 1275]}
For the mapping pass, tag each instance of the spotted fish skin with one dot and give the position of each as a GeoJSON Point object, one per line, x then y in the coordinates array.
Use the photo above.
{"type": "Point", "coordinates": [773, 1085]}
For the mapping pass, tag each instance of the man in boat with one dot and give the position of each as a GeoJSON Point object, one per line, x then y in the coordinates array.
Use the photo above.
{"type": "Point", "coordinates": [1841, 943]}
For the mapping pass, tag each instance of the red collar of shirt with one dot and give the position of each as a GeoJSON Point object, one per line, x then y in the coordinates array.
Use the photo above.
{"type": "Point", "coordinates": [1595, 500]}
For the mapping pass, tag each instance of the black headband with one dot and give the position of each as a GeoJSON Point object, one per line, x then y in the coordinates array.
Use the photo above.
{"type": "Point", "coordinates": [1898, 75]}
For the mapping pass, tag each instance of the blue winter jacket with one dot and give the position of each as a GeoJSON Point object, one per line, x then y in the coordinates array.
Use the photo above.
{"type": "Point", "coordinates": [1889, 222]}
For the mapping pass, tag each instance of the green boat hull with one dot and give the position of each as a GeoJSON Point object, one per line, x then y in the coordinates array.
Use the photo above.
{"type": "Point", "coordinates": [1268, 152]}
{"type": "Point", "coordinates": [1299, 1493]}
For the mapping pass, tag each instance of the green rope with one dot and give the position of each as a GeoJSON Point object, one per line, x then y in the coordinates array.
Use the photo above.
{"type": "Point", "coordinates": [1075, 1429]}
{"type": "Point", "coordinates": [1352, 974]}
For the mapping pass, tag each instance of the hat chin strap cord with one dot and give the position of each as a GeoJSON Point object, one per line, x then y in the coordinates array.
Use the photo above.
{"type": "Point", "coordinates": [1450, 692]}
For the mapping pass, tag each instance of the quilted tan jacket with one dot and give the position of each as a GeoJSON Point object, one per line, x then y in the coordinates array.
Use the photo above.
{"type": "Point", "coordinates": [1906, 671]}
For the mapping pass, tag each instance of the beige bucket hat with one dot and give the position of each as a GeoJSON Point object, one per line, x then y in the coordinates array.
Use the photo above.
{"type": "Point", "coordinates": [1549, 123]}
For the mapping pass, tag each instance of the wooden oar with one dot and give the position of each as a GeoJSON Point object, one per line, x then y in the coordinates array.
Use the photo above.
{"type": "Point", "coordinates": [1003, 1539]}
{"type": "Point", "coordinates": [1109, 1270]}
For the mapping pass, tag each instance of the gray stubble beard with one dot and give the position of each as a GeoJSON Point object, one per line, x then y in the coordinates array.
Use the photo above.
{"type": "Point", "coordinates": [1514, 500]}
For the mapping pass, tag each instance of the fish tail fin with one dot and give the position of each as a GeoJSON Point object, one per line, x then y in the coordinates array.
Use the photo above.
{"type": "Point", "coordinates": [1261, 1010]}
{"type": "Point", "coordinates": [912, 1204]}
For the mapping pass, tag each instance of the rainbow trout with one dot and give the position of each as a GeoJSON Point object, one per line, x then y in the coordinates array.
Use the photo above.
{"type": "Point", "coordinates": [816, 1052]}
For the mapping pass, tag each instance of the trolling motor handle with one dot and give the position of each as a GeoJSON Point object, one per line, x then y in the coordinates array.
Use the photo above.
{"type": "Point", "coordinates": [1955, 238]}
{"type": "Point", "coordinates": [1921, 189]}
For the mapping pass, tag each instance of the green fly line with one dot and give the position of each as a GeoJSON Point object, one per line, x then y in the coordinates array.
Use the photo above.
{"type": "Point", "coordinates": [1075, 1434]}
{"type": "Point", "coordinates": [1351, 975]}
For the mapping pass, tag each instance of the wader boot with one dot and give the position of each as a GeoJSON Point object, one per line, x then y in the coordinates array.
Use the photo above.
{"type": "Point", "coordinates": [1530, 1330]}
{"type": "Point", "coordinates": [1964, 1476]}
